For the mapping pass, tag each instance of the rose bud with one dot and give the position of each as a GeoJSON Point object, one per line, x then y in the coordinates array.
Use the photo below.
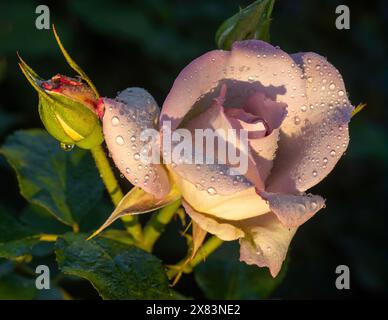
{"type": "Point", "coordinates": [68, 109]}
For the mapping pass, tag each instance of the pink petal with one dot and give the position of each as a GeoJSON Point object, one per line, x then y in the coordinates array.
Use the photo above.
{"type": "Point", "coordinates": [264, 241]}
{"type": "Point", "coordinates": [235, 206]}
{"type": "Point", "coordinates": [273, 112]}
{"type": "Point", "coordinates": [224, 231]}
{"type": "Point", "coordinates": [195, 80]}
{"type": "Point", "coordinates": [293, 210]}
{"type": "Point", "coordinates": [263, 151]}
{"type": "Point", "coordinates": [242, 120]}
{"type": "Point", "coordinates": [315, 134]}
{"type": "Point", "coordinates": [217, 175]}
{"type": "Point", "coordinates": [125, 117]}
{"type": "Point", "coordinates": [252, 66]}
{"type": "Point", "coordinates": [267, 244]}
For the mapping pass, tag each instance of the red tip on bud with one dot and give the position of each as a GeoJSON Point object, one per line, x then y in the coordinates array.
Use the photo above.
{"type": "Point", "coordinates": [100, 108]}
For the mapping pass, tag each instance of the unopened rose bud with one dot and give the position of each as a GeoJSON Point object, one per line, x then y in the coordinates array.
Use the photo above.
{"type": "Point", "coordinates": [68, 109]}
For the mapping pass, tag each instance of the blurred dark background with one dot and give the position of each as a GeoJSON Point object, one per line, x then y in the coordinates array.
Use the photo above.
{"type": "Point", "coordinates": [146, 43]}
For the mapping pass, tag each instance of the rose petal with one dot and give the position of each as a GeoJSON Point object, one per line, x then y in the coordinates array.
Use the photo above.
{"type": "Point", "coordinates": [251, 66]}
{"type": "Point", "coordinates": [271, 111]}
{"type": "Point", "coordinates": [263, 151]}
{"type": "Point", "coordinates": [214, 119]}
{"type": "Point", "coordinates": [267, 242]}
{"type": "Point", "coordinates": [236, 206]}
{"type": "Point", "coordinates": [315, 135]}
{"type": "Point", "coordinates": [195, 80]}
{"type": "Point", "coordinates": [125, 117]}
{"type": "Point", "coordinates": [293, 210]}
{"type": "Point", "coordinates": [242, 120]}
{"type": "Point", "coordinates": [224, 231]}
{"type": "Point", "coordinates": [264, 241]}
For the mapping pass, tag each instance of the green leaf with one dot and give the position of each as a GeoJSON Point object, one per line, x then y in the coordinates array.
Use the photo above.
{"type": "Point", "coordinates": [116, 270]}
{"type": "Point", "coordinates": [64, 183]}
{"type": "Point", "coordinates": [41, 220]}
{"type": "Point", "coordinates": [223, 276]}
{"type": "Point", "coordinates": [252, 22]}
{"type": "Point", "coordinates": [16, 240]}
{"type": "Point", "coordinates": [16, 287]}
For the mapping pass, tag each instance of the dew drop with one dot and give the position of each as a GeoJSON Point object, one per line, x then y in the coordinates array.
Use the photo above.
{"type": "Point", "coordinates": [315, 173]}
{"type": "Point", "coordinates": [332, 153]}
{"type": "Point", "coordinates": [199, 186]}
{"type": "Point", "coordinates": [303, 108]}
{"type": "Point", "coordinates": [296, 120]}
{"type": "Point", "coordinates": [120, 140]}
{"type": "Point", "coordinates": [66, 146]}
{"type": "Point", "coordinates": [115, 121]}
{"type": "Point", "coordinates": [332, 86]}
{"type": "Point", "coordinates": [133, 139]}
{"type": "Point", "coordinates": [341, 93]}
{"type": "Point", "coordinates": [136, 156]}
{"type": "Point", "coordinates": [127, 170]}
{"type": "Point", "coordinates": [211, 191]}
{"type": "Point", "coordinates": [325, 160]}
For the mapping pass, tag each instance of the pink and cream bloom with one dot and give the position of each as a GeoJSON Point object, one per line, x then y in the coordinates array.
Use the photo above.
{"type": "Point", "coordinates": [296, 111]}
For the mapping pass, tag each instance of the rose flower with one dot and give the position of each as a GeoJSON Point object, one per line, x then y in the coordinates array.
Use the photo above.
{"type": "Point", "coordinates": [295, 111]}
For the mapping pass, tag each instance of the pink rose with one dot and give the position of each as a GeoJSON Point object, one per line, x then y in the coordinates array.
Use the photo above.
{"type": "Point", "coordinates": [296, 112]}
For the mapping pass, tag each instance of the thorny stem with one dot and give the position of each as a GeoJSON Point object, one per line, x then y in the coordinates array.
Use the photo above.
{"type": "Point", "coordinates": [187, 266]}
{"type": "Point", "coordinates": [131, 223]}
{"type": "Point", "coordinates": [157, 224]}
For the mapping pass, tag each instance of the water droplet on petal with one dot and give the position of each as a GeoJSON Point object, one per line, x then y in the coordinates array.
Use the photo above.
{"type": "Point", "coordinates": [115, 121]}
{"type": "Point", "coordinates": [332, 153]}
{"type": "Point", "coordinates": [211, 191]}
{"type": "Point", "coordinates": [332, 86]}
{"type": "Point", "coordinates": [341, 93]}
{"type": "Point", "coordinates": [296, 120]}
{"type": "Point", "coordinates": [315, 173]}
{"type": "Point", "coordinates": [120, 140]}
{"type": "Point", "coordinates": [136, 156]}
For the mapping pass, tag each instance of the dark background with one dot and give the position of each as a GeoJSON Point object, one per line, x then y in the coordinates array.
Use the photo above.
{"type": "Point", "coordinates": [146, 43]}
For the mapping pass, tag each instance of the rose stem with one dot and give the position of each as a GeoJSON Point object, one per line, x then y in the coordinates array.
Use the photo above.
{"type": "Point", "coordinates": [187, 266]}
{"type": "Point", "coordinates": [131, 224]}
{"type": "Point", "coordinates": [157, 224]}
